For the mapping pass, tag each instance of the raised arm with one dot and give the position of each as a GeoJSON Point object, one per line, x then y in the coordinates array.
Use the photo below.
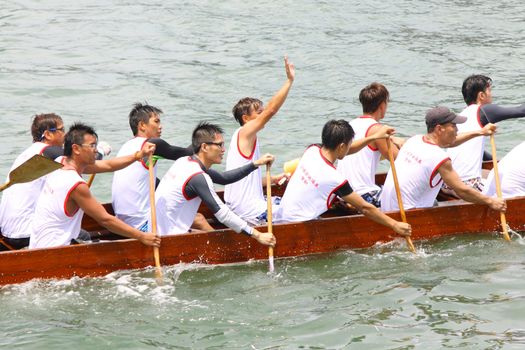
{"type": "Point", "coordinates": [452, 179]}
{"type": "Point", "coordinates": [249, 130]}
{"type": "Point", "coordinates": [82, 197]}
{"type": "Point", "coordinates": [199, 186]}
{"type": "Point", "coordinates": [104, 166]}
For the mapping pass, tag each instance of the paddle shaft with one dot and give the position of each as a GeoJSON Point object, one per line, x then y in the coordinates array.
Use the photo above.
{"type": "Point", "coordinates": [269, 212]}
{"type": "Point", "coordinates": [398, 192]}
{"type": "Point", "coordinates": [90, 180]}
{"type": "Point", "coordinates": [498, 186]}
{"type": "Point", "coordinates": [156, 253]}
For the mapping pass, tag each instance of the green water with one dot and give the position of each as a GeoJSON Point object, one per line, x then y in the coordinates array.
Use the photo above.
{"type": "Point", "coordinates": [460, 292]}
{"type": "Point", "coordinates": [90, 60]}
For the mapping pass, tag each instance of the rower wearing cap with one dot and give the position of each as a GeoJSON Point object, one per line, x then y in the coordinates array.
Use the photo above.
{"type": "Point", "coordinates": [422, 165]}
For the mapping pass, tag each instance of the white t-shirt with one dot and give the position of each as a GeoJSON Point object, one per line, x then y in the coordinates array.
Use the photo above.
{"type": "Point", "coordinates": [18, 201]}
{"type": "Point", "coordinates": [175, 210]}
{"type": "Point", "coordinates": [244, 197]}
{"type": "Point", "coordinates": [53, 226]}
{"type": "Point", "coordinates": [130, 188]}
{"type": "Point", "coordinates": [511, 169]}
{"type": "Point", "coordinates": [311, 189]}
{"type": "Point", "coordinates": [360, 168]}
{"type": "Point", "coordinates": [467, 157]}
{"type": "Point", "coordinates": [417, 165]}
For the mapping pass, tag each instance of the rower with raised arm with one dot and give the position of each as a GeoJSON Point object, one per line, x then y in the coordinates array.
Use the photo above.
{"type": "Point", "coordinates": [245, 197]}
{"type": "Point", "coordinates": [480, 111]}
{"type": "Point", "coordinates": [422, 164]}
{"type": "Point", "coordinates": [316, 183]}
{"type": "Point", "coordinates": [187, 184]}
{"type": "Point", "coordinates": [66, 196]}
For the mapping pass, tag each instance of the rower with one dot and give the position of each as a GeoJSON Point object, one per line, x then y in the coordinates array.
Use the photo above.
{"type": "Point", "coordinates": [245, 197]}
{"type": "Point", "coordinates": [467, 158]}
{"type": "Point", "coordinates": [422, 164]}
{"type": "Point", "coordinates": [130, 187]}
{"type": "Point", "coordinates": [187, 184]}
{"type": "Point", "coordinates": [18, 202]}
{"type": "Point", "coordinates": [66, 196]}
{"type": "Point", "coordinates": [316, 183]}
{"type": "Point", "coordinates": [360, 168]}
{"type": "Point", "coordinates": [511, 169]}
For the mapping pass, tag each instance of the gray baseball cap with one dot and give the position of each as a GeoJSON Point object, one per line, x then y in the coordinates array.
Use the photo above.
{"type": "Point", "coordinates": [441, 115]}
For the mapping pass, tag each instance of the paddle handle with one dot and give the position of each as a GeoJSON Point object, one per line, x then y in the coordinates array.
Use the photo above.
{"type": "Point", "coordinates": [269, 213]}
{"type": "Point", "coordinates": [498, 186]}
{"type": "Point", "coordinates": [398, 192]}
{"type": "Point", "coordinates": [4, 186]}
{"type": "Point", "coordinates": [156, 253]}
{"type": "Point", "coordinates": [90, 180]}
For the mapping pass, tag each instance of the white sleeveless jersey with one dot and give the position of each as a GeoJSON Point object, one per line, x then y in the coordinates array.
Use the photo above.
{"type": "Point", "coordinates": [311, 189]}
{"type": "Point", "coordinates": [360, 168]}
{"type": "Point", "coordinates": [175, 210]}
{"type": "Point", "coordinates": [244, 197]}
{"type": "Point", "coordinates": [417, 165]}
{"type": "Point", "coordinates": [18, 201]}
{"type": "Point", "coordinates": [53, 226]}
{"type": "Point", "coordinates": [467, 157]}
{"type": "Point", "coordinates": [130, 188]}
{"type": "Point", "coordinates": [511, 171]}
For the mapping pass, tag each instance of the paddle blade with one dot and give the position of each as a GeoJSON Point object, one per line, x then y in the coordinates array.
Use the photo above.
{"type": "Point", "coordinates": [32, 169]}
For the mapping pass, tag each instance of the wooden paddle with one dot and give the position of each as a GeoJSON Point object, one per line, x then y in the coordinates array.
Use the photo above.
{"type": "Point", "coordinates": [90, 180]}
{"type": "Point", "coordinates": [398, 193]}
{"type": "Point", "coordinates": [498, 186]}
{"type": "Point", "coordinates": [269, 214]}
{"type": "Point", "coordinates": [156, 254]}
{"type": "Point", "coordinates": [30, 170]}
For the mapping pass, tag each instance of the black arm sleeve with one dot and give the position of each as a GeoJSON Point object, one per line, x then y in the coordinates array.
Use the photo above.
{"type": "Point", "coordinates": [231, 176]}
{"type": "Point", "coordinates": [53, 152]}
{"type": "Point", "coordinates": [167, 151]}
{"type": "Point", "coordinates": [344, 190]}
{"type": "Point", "coordinates": [493, 113]}
{"type": "Point", "coordinates": [197, 186]}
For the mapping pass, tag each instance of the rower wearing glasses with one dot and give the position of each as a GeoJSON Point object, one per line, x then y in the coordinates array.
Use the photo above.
{"type": "Point", "coordinates": [65, 195]}
{"type": "Point", "coordinates": [188, 183]}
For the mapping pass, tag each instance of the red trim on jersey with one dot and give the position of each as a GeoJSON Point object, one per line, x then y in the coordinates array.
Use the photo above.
{"type": "Point", "coordinates": [67, 198]}
{"type": "Point", "coordinates": [366, 134]}
{"type": "Point", "coordinates": [239, 148]}
{"type": "Point", "coordinates": [478, 114]}
{"type": "Point", "coordinates": [323, 157]}
{"type": "Point", "coordinates": [43, 149]}
{"type": "Point", "coordinates": [366, 116]}
{"type": "Point", "coordinates": [429, 141]}
{"type": "Point", "coordinates": [186, 182]}
{"type": "Point", "coordinates": [328, 201]}
{"type": "Point", "coordinates": [435, 171]}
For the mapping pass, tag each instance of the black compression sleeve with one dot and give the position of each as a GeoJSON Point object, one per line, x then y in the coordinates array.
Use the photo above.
{"type": "Point", "coordinates": [231, 176]}
{"type": "Point", "coordinates": [197, 186]}
{"type": "Point", "coordinates": [493, 113]}
{"type": "Point", "coordinates": [344, 190]}
{"type": "Point", "coordinates": [53, 152]}
{"type": "Point", "coordinates": [167, 151]}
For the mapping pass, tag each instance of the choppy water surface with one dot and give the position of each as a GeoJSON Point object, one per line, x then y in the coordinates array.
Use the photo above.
{"type": "Point", "coordinates": [91, 60]}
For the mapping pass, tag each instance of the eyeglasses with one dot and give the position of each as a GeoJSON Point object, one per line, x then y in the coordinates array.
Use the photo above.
{"type": "Point", "coordinates": [52, 130]}
{"type": "Point", "coordinates": [90, 145]}
{"type": "Point", "coordinates": [218, 144]}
